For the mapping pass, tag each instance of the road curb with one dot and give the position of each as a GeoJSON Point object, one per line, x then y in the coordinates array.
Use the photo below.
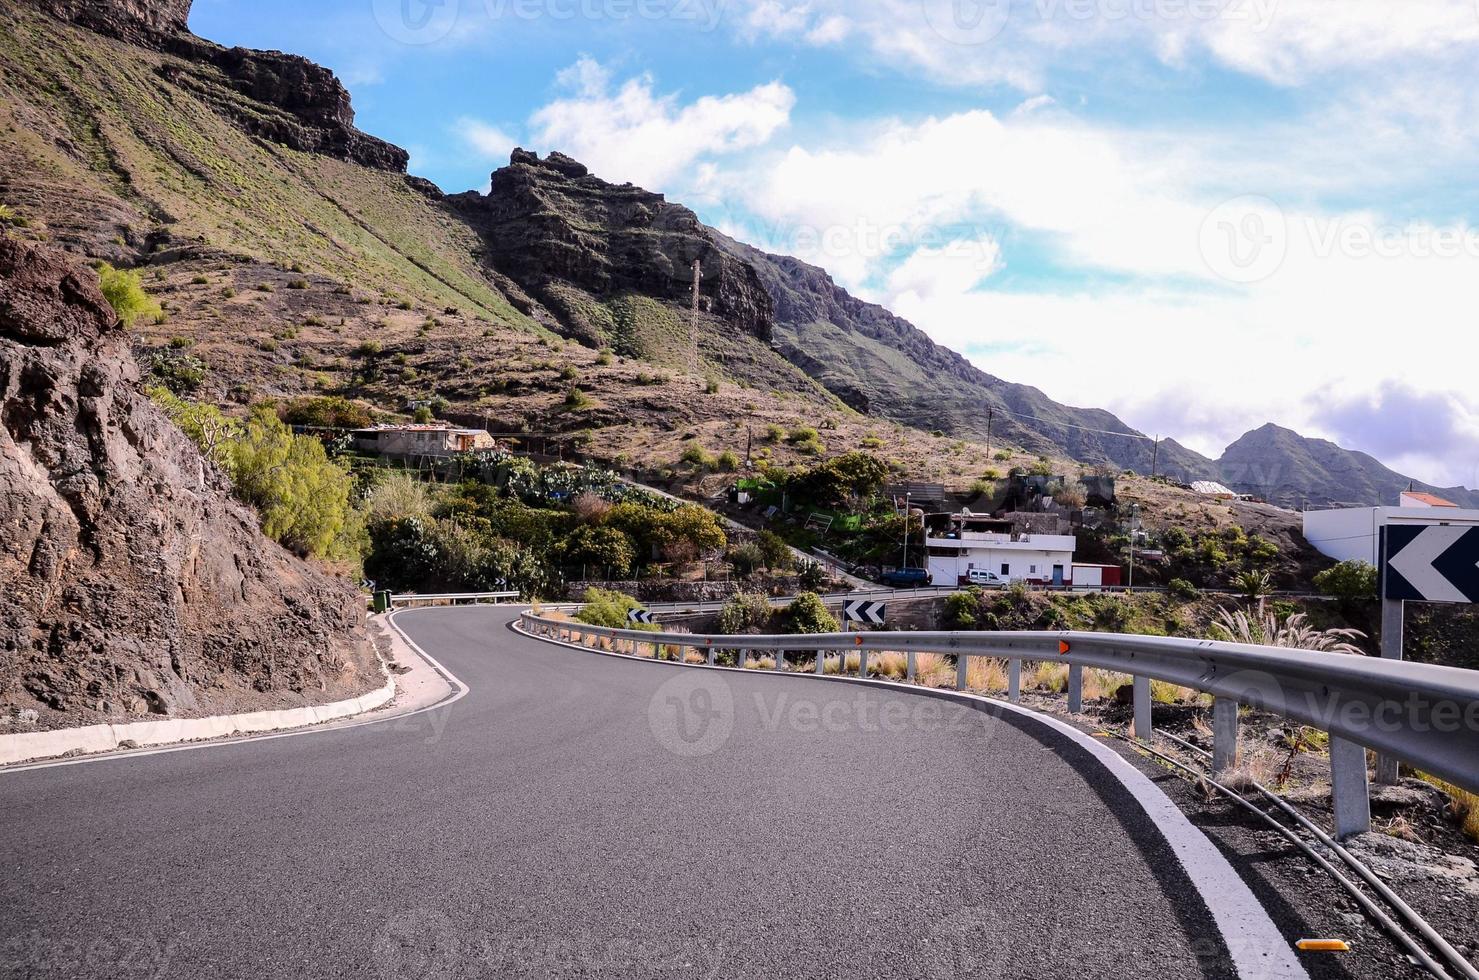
{"type": "Point", "coordinates": [1254, 942]}
{"type": "Point", "coordinates": [28, 746]}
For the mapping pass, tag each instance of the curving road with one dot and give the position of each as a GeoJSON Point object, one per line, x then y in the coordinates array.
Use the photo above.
{"type": "Point", "coordinates": [580, 815]}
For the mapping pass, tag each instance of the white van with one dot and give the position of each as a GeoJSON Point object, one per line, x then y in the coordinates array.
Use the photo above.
{"type": "Point", "coordinates": [984, 576]}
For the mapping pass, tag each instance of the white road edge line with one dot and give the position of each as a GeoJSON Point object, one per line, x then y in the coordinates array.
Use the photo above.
{"type": "Point", "coordinates": [1257, 948]}
{"type": "Point", "coordinates": [460, 691]}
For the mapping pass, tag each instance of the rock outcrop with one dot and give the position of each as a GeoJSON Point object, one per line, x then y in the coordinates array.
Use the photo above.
{"type": "Point", "coordinates": [133, 583]}
{"type": "Point", "coordinates": [550, 226]}
{"type": "Point", "coordinates": [308, 108]}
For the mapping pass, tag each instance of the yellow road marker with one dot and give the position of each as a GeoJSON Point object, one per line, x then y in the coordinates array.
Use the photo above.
{"type": "Point", "coordinates": [1323, 946]}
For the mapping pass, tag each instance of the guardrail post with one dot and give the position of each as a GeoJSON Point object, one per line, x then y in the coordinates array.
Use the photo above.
{"type": "Point", "coordinates": [1014, 680]}
{"type": "Point", "coordinates": [961, 682]}
{"type": "Point", "coordinates": [1143, 727]}
{"type": "Point", "coordinates": [1350, 791]}
{"type": "Point", "coordinates": [780, 660]}
{"type": "Point", "coordinates": [740, 657]}
{"type": "Point", "coordinates": [1224, 735]}
{"type": "Point", "coordinates": [713, 656]}
{"type": "Point", "coordinates": [912, 667]}
{"type": "Point", "coordinates": [1388, 770]}
{"type": "Point", "coordinates": [862, 663]}
{"type": "Point", "coordinates": [1075, 689]}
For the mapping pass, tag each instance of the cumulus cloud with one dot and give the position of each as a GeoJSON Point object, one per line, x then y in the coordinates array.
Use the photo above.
{"type": "Point", "coordinates": [488, 140]}
{"type": "Point", "coordinates": [630, 132]}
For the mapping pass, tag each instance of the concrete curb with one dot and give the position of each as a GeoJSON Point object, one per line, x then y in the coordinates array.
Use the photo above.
{"type": "Point", "coordinates": [25, 746]}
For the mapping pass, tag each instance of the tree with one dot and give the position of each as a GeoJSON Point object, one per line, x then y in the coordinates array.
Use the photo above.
{"type": "Point", "coordinates": [330, 412]}
{"type": "Point", "coordinates": [206, 425]}
{"type": "Point", "coordinates": [745, 613]}
{"type": "Point", "coordinates": [124, 291]}
{"type": "Point", "coordinates": [807, 614]}
{"type": "Point", "coordinates": [404, 553]}
{"type": "Point", "coordinates": [841, 480]}
{"type": "Point", "coordinates": [604, 607]}
{"type": "Point", "coordinates": [961, 609]}
{"type": "Point", "coordinates": [811, 575]}
{"type": "Point", "coordinates": [693, 524]}
{"type": "Point", "coordinates": [302, 496]}
{"type": "Point", "coordinates": [777, 554]}
{"type": "Point", "coordinates": [1350, 580]}
{"type": "Point", "coordinates": [598, 547]}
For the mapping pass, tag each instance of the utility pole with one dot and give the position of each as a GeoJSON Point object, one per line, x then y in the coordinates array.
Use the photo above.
{"type": "Point", "coordinates": [990, 418]}
{"type": "Point", "coordinates": [1134, 513]}
{"type": "Point", "coordinates": [1155, 456]}
{"type": "Point", "coordinates": [906, 533]}
{"type": "Point", "coordinates": [693, 362]}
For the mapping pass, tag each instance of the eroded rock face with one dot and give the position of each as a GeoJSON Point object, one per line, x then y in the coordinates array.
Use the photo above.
{"type": "Point", "coordinates": [133, 583]}
{"type": "Point", "coordinates": [549, 223]}
{"type": "Point", "coordinates": [313, 114]}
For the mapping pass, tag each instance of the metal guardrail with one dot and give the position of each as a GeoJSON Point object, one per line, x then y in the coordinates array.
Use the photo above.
{"type": "Point", "coordinates": [1424, 715]}
{"type": "Point", "coordinates": [453, 598]}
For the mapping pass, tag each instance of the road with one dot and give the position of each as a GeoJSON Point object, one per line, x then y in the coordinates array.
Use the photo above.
{"type": "Point", "coordinates": [584, 815]}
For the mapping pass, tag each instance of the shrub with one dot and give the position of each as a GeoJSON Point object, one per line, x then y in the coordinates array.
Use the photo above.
{"type": "Point", "coordinates": [124, 291]}
{"type": "Point", "coordinates": [774, 433]}
{"type": "Point", "coordinates": [695, 455]}
{"type": "Point", "coordinates": [568, 373]}
{"type": "Point", "coordinates": [802, 433]}
{"type": "Point", "coordinates": [711, 386]}
{"type": "Point", "coordinates": [181, 373]}
{"type": "Point", "coordinates": [1182, 589]}
{"type": "Point", "coordinates": [304, 498]}
{"type": "Point", "coordinates": [961, 609]}
{"type": "Point", "coordinates": [775, 553]}
{"type": "Point", "coordinates": [746, 558]}
{"type": "Point", "coordinates": [368, 348]}
{"type": "Point", "coordinates": [229, 292]}
{"type": "Point", "coordinates": [728, 462]}
{"type": "Point", "coordinates": [872, 442]}
{"type": "Point", "coordinates": [1350, 580]}
{"type": "Point", "coordinates": [577, 400]}
{"type": "Point", "coordinates": [265, 287]}
{"type": "Point", "coordinates": [811, 576]}
{"type": "Point", "coordinates": [330, 412]}
{"type": "Point", "coordinates": [404, 552]}
{"type": "Point", "coordinates": [200, 281]}
{"type": "Point", "coordinates": [1253, 584]}
{"type": "Point", "coordinates": [607, 608]}
{"type": "Point", "coordinates": [599, 547]}
{"type": "Point", "coordinates": [745, 613]}
{"type": "Point", "coordinates": [604, 358]}
{"type": "Point", "coordinates": [207, 427]}
{"type": "Point", "coordinates": [298, 284]}
{"type": "Point", "coordinates": [807, 614]}
{"type": "Point", "coordinates": [422, 415]}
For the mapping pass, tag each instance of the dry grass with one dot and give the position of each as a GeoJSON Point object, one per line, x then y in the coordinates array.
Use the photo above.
{"type": "Point", "coordinates": [1163, 692]}
{"type": "Point", "coordinates": [1462, 804]}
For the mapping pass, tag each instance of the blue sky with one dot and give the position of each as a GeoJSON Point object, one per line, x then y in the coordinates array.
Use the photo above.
{"type": "Point", "coordinates": [1201, 214]}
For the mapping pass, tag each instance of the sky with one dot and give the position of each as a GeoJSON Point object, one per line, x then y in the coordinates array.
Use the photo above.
{"type": "Point", "coordinates": [1202, 215]}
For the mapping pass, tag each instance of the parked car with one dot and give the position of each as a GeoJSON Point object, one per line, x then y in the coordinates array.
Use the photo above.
{"type": "Point", "coordinates": [985, 576]}
{"type": "Point", "coordinates": [907, 578]}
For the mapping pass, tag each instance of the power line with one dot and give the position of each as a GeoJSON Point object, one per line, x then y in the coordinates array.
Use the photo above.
{"type": "Point", "coordinates": [1081, 428]}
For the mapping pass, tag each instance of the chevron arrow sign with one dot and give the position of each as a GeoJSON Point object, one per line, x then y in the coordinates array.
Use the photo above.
{"type": "Point", "coordinates": [863, 611]}
{"type": "Point", "coordinates": [1432, 563]}
{"type": "Point", "coordinates": [640, 616]}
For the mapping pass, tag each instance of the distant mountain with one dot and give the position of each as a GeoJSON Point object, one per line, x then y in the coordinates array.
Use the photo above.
{"type": "Point", "coordinates": [1287, 468]}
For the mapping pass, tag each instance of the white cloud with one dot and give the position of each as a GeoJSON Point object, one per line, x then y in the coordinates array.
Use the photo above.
{"type": "Point", "coordinates": [634, 134]}
{"type": "Point", "coordinates": [488, 140]}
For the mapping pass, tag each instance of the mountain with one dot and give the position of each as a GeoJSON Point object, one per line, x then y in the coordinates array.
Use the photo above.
{"type": "Point", "coordinates": [1286, 468]}
{"type": "Point", "coordinates": [295, 256]}
{"type": "Point", "coordinates": [134, 584]}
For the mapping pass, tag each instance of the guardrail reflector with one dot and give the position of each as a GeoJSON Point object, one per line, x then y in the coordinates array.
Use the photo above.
{"type": "Point", "coordinates": [858, 641]}
{"type": "Point", "coordinates": [1323, 946]}
{"type": "Point", "coordinates": [1063, 646]}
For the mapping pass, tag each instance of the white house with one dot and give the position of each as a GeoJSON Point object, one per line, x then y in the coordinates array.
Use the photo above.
{"type": "Point", "coordinates": [1354, 533]}
{"type": "Point", "coordinates": [962, 542]}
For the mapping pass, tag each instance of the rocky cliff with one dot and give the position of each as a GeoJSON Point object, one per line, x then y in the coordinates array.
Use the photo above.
{"type": "Point", "coordinates": [572, 241]}
{"type": "Point", "coordinates": [306, 106]}
{"type": "Point", "coordinates": [133, 584]}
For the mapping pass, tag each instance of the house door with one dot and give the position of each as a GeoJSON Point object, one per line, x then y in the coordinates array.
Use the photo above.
{"type": "Point", "coordinates": [1058, 576]}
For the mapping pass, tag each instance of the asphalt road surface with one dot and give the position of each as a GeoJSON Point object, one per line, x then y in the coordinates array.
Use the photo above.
{"type": "Point", "coordinates": [580, 815]}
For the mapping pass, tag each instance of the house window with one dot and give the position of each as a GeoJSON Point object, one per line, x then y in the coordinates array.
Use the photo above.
{"type": "Point", "coordinates": [1005, 570]}
{"type": "Point", "coordinates": [1032, 570]}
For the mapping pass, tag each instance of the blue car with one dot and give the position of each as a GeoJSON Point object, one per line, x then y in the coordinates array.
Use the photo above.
{"type": "Point", "coordinates": [907, 578]}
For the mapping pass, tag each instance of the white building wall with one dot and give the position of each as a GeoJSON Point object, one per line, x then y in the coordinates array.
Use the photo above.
{"type": "Point", "coordinates": [1354, 533]}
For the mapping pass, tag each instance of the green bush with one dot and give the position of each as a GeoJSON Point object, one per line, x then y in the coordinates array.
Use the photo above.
{"type": "Point", "coordinates": [745, 613]}
{"type": "Point", "coordinates": [777, 554]}
{"type": "Point", "coordinates": [802, 433]}
{"type": "Point", "coordinates": [811, 576]}
{"type": "Point", "coordinates": [774, 433]}
{"type": "Point", "coordinates": [1182, 589]}
{"type": "Point", "coordinates": [124, 291]}
{"type": "Point", "coordinates": [962, 608]}
{"type": "Point", "coordinates": [577, 400]}
{"type": "Point", "coordinates": [695, 455]}
{"type": "Point", "coordinates": [368, 348]}
{"type": "Point", "coordinates": [330, 412]}
{"type": "Point", "coordinates": [303, 497]}
{"type": "Point", "coordinates": [746, 558]}
{"type": "Point", "coordinates": [808, 614]}
{"type": "Point", "coordinates": [592, 546]}
{"type": "Point", "coordinates": [604, 607]}
{"type": "Point", "coordinates": [1350, 580]}
{"type": "Point", "coordinates": [727, 462]}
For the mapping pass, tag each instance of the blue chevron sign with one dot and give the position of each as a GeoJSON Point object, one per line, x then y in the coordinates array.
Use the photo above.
{"type": "Point", "coordinates": [1431, 563]}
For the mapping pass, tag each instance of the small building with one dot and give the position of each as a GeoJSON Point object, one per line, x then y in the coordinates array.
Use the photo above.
{"type": "Point", "coordinates": [410, 441]}
{"type": "Point", "coordinates": [958, 543]}
{"type": "Point", "coordinates": [1210, 488]}
{"type": "Point", "coordinates": [1354, 533]}
{"type": "Point", "coordinates": [1087, 576]}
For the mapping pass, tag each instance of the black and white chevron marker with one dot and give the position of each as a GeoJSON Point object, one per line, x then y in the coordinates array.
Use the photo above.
{"type": "Point", "coordinates": [863, 611]}
{"type": "Point", "coordinates": [640, 616]}
{"type": "Point", "coordinates": [1432, 563]}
